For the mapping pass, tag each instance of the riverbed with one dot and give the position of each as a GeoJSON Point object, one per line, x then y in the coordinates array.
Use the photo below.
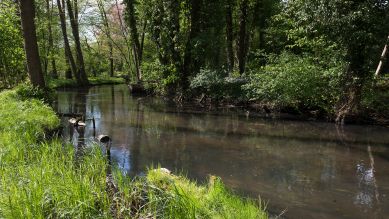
{"type": "Point", "coordinates": [302, 169]}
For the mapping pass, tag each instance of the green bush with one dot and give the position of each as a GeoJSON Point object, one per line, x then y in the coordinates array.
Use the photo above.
{"type": "Point", "coordinates": [375, 99]}
{"type": "Point", "coordinates": [26, 91]}
{"type": "Point", "coordinates": [216, 85]}
{"type": "Point", "coordinates": [296, 81]}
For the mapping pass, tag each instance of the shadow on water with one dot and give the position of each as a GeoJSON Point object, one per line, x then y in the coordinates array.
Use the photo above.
{"type": "Point", "coordinates": [313, 170]}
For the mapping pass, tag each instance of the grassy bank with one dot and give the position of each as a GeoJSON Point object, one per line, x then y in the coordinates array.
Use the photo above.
{"type": "Point", "coordinates": [93, 81]}
{"type": "Point", "coordinates": [42, 178]}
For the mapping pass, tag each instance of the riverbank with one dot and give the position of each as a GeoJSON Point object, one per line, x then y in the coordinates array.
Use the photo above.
{"type": "Point", "coordinates": [366, 115]}
{"type": "Point", "coordinates": [93, 81]}
{"type": "Point", "coordinates": [42, 177]}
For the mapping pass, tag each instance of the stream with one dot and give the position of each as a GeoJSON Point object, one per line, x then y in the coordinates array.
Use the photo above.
{"type": "Point", "coordinates": [304, 169]}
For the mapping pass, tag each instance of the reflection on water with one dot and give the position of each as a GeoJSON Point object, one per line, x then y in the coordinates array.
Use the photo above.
{"type": "Point", "coordinates": [312, 170]}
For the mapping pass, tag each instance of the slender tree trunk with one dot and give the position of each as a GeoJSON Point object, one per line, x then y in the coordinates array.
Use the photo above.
{"type": "Point", "coordinates": [68, 52]}
{"type": "Point", "coordinates": [230, 36]}
{"type": "Point", "coordinates": [81, 77]}
{"type": "Point", "coordinates": [49, 10]}
{"type": "Point", "coordinates": [27, 13]}
{"type": "Point", "coordinates": [243, 36]}
{"type": "Point", "coordinates": [134, 34]}
{"type": "Point", "coordinates": [124, 33]}
{"type": "Point", "coordinates": [382, 59]}
{"type": "Point", "coordinates": [262, 23]}
{"type": "Point", "coordinates": [192, 65]}
{"type": "Point", "coordinates": [142, 41]}
{"type": "Point", "coordinates": [108, 34]}
{"type": "Point", "coordinates": [111, 61]}
{"type": "Point", "coordinates": [174, 8]}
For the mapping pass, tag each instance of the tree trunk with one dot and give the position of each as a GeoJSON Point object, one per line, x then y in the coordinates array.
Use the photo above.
{"type": "Point", "coordinates": [68, 52]}
{"type": "Point", "coordinates": [230, 36]}
{"type": "Point", "coordinates": [134, 38]}
{"type": "Point", "coordinates": [49, 10]}
{"type": "Point", "coordinates": [382, 59]}
{"type": "Point", "coordinates": [262, 23]}
{"type": "Point", "coordinates": [191, 65]}
{"type": "Point", "coordinates": [27, 13]}
{"type": "Point", "coordinates": [243, 36]}
{"type": "Point", "coordinates": [81, 77]}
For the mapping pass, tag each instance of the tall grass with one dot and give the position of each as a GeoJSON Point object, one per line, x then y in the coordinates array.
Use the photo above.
{"type": "Point", "coordinates": [40, 179]}
{"type": "Point", "coordinates": [163, 195]}
{"type": "Point", "coordinates": [43, 178]}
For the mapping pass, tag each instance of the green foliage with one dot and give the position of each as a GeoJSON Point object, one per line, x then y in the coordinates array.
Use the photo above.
{"type": "Point", "coordinates": [11, 46]}
{"type": "Point", "coordinates": [26, 91]}
{"type": "Point", "coordinates": [296, 81]}
{"type": "Point", "coordinates": [216, 85]}
{"type": "Point", "coordinates": [159, 77]}
{"type": "Point", "coordinates": [375, 99]}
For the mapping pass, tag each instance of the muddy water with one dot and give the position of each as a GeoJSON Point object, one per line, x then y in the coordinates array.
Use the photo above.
{"type": "Point", "coordinates": [304, 169]}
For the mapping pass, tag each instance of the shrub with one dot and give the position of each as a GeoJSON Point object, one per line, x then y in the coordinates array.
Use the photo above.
{"type": "Point", "coordinates": [27, 91]}
{"type": "Point", "coordinates": [296, 81]}
{"type": "Point", "coordinates": [214, 84]}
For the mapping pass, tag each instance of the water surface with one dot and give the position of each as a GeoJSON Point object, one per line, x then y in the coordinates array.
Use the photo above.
{"type": "Point", "coordinates": [307, 169]}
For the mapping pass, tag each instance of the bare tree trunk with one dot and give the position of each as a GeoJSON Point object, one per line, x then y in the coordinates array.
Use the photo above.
{"type": "Point", "coordinates": [68, 52]}
{"type": "Point", "coordinates": [383, 57]}
{"type": "Point", "coordinates": [243, 36]}
{"type": "Point", "coordinates": [81, 77]}
{"type": "Point", "coordinates": [49, 10]}
{"type": "Point", "coordinates": [230, 36]}
{"type": "Point", "coordinates": [27, 13]}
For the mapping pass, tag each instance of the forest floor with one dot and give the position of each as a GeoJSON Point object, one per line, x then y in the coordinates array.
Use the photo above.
{"type": "Point", "coordinates": [43, 177]}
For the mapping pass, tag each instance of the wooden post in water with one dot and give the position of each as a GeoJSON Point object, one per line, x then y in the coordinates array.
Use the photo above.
{"type": "Point", "coordinates": [106, 140]}
{"type": "Point", "coordinates": [94, 126]}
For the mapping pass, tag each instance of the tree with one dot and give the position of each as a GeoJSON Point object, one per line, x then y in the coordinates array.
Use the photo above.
{"type": "Point", "coordinates": [12, 55]}
{"type": "Point", "coordinates": [81, 76]}
{"type": "Point", "coordinates": [107, 32]}
{"type": "Point", "coordinates": [68, 52]}
{"type": "Point", "coordinates": [134, 34]}
{"type": "Point", "coordinates": [27, 14]}
{"type": "Point", "coordinates": [49, 11]}
{"type": "Point", "coordinates": [230, 35]}
{"type": "Point", "coordinates": [243, 36]}
{"type": "Point", "coordinates": [192, 62]}
{"type": "Point", "coordinates": [353, 27]}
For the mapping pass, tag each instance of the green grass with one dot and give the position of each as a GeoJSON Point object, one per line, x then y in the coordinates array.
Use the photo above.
{"type": "Point", "coordinates": [42, 178]}
{"type": "Point", "coordinates": [39, 178]}
{"type": "Point", "coordinates": [68, 83]}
